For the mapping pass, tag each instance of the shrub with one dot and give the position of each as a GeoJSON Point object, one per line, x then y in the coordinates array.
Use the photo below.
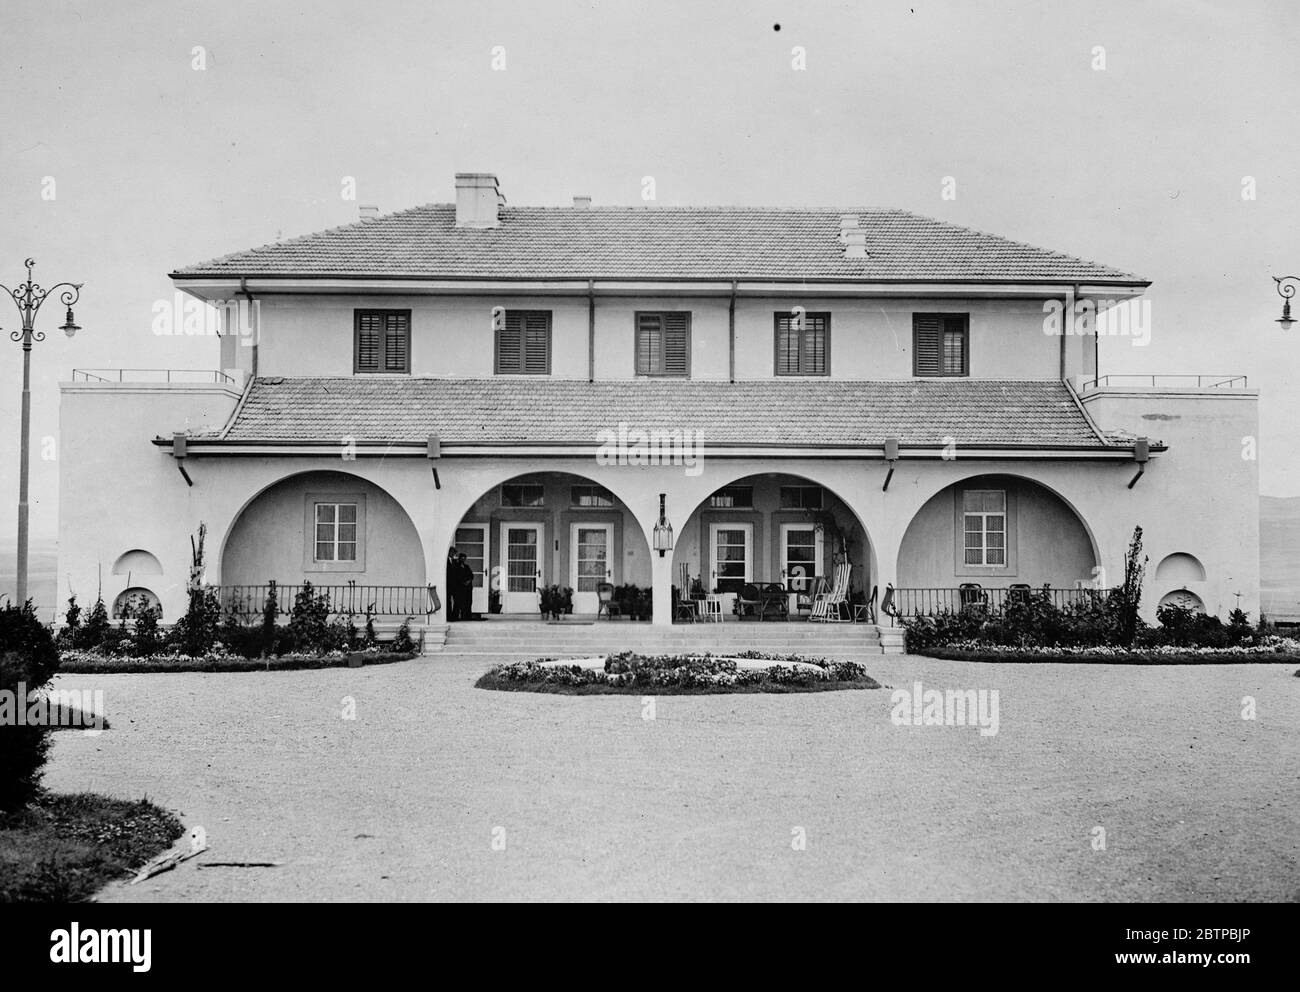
{"type": "Point", "coordinates": [196, 631]}
{"type": "Point", "coordinates": [147, 639]}
{"type": "Point", "coordinates": [91, 633]}
{"type": "Point", "coordinates": [309, 620]}
{"type": "Point", "coordinates": [28, 658]}
{"type": "Point", "coordinates": [402, 642]}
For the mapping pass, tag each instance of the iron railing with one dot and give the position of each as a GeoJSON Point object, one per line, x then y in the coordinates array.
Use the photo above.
{"type": "Point", "coordinates": [1168, 380]}
{"type": "Point", "coordinates": [151, 375]}
{"type": "Point", "coordinates": [928, 602]}
{"type": "Point", "coordinates": [349, 599]}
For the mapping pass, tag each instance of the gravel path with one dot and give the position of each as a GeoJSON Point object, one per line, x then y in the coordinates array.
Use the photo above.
{"type": "Point", "coordinates": [702, 802]}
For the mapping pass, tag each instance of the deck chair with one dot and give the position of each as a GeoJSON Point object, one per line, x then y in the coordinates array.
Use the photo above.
{"type": "Point", "coordinates": [826, 606]}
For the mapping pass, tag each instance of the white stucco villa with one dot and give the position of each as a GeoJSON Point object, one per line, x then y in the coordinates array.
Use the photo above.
{"type": "Point", "coordinates": [801, 387]}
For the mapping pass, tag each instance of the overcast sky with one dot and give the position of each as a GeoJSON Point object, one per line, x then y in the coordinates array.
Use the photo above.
{"type": "Point", "coordinates": [1140, 165]}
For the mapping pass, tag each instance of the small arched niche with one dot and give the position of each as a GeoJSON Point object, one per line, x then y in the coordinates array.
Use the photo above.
{"type": "Point", "coordinates": [1184, 598]}
{"type": "Point", "coordinates": [1180, 568]}
{"type": "Point", "coordinates": [130, 602]}
{"type": "Point", "coordinates": [137, 562]}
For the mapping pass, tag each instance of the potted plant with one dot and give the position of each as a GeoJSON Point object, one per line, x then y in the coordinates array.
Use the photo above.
{"type": "Point", "coordinates": [494, 601]}
{"type": "Point", "coordinates": [556, 602]}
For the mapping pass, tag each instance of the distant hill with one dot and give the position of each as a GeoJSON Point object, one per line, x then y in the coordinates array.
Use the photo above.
{"type": "Point", "coordinates": [1279, 555]}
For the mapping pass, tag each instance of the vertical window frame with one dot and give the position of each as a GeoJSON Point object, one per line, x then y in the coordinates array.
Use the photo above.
{"type": "Point", "coordinates": [777, 318]}
{"type": "Point", "coordinates": [358, 314]}
{"type": "Point", "coordinates": [944, 331]}
{"type": "Point", "coordinates": [637, 330]}
{"type": "Point", "coordinates": [504, 328]}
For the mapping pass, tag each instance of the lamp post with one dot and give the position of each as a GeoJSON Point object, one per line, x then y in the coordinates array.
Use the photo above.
{"type": "Point", "coordinates": [1286, 286]}
{"type": "Point", "coordinates": [28, 297]}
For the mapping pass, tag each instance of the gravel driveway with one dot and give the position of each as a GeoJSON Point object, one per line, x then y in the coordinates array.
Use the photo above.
{"type": "Point", "coordinates": [413, 799]}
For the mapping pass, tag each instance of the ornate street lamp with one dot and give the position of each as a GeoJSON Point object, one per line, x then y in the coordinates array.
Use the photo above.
{"type": "Point", "coordinates": [1286, 289]}
{"type": "Point", "coordinates": [663, 535]}
{"type": "Point", "coordinates": [28, 297]}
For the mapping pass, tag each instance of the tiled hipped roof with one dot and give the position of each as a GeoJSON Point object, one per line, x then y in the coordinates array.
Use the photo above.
{"type": "Point", "coordinates": [657, 243]}
{"type": "Point", "coordinates": [795, 412]}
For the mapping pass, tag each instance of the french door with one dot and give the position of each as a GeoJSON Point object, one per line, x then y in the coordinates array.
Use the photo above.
{"type": "Point", "coordinates": [472, 539]}
{"type": "Point", "coordinates": [591, 562]}
{"type": "Point", "coordinates": [801, 556]}
{"type": "Point", "coordinates": [521, 558]}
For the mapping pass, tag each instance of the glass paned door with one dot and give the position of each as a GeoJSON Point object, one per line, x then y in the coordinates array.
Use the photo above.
{"type": "Point", "coordinates": [801, 556]}
{"type": "Point", "coordinates": [590, 563]}
{"type": "Point", "coordinates": [472, 540]}
{"type": "Point", "coordinates": [521, 550]}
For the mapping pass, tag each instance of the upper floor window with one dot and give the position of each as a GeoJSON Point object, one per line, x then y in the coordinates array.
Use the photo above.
{"type": "Point", "coordinates": [941, 344]}
{"type": "Point", "coordinates": [523, 343]}
{"type": "Point", "coordinates": [663, 344]}
{"type": "Point", "coordinates": [803, 343]}
{"type": "Point", "coordinates": [382, 341]}
{"type": "Point", "coordinates": [730, 497]}
{"type": "Point", "coordinates": [801, 497]}
{"type": "Point", "coordinates": [984, 516]}
{"type": "Point", "coordinates": [589, 496]}
{"type": "Point", "coordinates": [522, 494]}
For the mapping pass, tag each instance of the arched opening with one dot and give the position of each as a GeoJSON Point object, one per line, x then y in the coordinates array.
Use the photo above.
{"type": "Point", "coordinates": [1184, 598]}
{"type": "Point", "coordinates": [1178, 569]}
{"type": "Point", "coordinates": [543, 529]}
{"type": "Point", "coordinates": [137, 562]}
{"type": "Point", "coordinates": [771, 529]}
{"type": "Point", "coordinates": [130, 602]}
{"type": "Point", "coordinates": [331, 528]}
{"type": "Point", "coordinates": [997, 531]}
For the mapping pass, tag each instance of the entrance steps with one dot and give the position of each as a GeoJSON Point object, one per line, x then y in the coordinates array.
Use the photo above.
{"type": "Point", "coordinates": [538, 639]}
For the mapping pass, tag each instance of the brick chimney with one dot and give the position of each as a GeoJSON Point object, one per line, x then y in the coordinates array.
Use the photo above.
{"type": "Point", "coordinates": [478, 200]}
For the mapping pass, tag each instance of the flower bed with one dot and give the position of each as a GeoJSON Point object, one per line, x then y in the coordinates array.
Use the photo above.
{"type": "Point", "coordinates": [678, 674]}
{"type": "Point", "coordinates": [1266, 650]}
{"type": "Point", "coordinates": [218, 660]}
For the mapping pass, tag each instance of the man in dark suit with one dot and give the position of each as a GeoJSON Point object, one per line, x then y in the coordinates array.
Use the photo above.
{"type": "Point", "coordinates": [464, 588]}
{"type": "Point", "coordinates": [453, 603]}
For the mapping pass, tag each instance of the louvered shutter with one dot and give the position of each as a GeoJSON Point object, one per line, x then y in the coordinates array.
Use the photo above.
{"type": "Point", "coordinates": [369, 333]}
{"type": "Point", "coordinates": [677, 344]}
{"type": "Point", "coordinates": [510, 345]}
{"type": "Point", "coordinates": [396, 342]}
{"type": "Point", "coordinates": [927, 337]}
{"type": "Point", "coordinates": [787, 348]}
{"type": "Point", "coordinates": [524, 343]}
{"type": "Point", "coordinates": [537, 342]}
{"type": "Point", "coordinates": [813, 357]}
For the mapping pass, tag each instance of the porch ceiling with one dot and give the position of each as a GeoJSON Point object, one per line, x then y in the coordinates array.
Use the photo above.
{"type": "Point", "coordinates": [792, 413]}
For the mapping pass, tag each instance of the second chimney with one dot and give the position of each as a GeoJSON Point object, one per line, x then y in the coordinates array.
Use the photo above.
{"type": "Point", "coordinates": [478, 200]}
{"type": "Point", "coordinates": [582, 203]}
{"type": "Point", "coordinates": [853, 237]}
{"type": "Point", "coordinates": [368, 212]}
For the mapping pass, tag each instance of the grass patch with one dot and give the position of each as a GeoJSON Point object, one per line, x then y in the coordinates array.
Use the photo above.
{"type": "Point", "coordinates": [82, 663]}
{"type": "Point", "coordinates": [65, 848]}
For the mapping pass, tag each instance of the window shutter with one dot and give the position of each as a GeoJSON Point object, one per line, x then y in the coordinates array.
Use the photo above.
{"type": "Point", "coordinates": [813, 352]}
{"type": "Point", "coordinates": [510, 345]}
{"type": "Point", "coordinates": [368, 334]}
{"type": "Point", "coordinates": [524, 343]}
{"type": "Point", "coordinates": [787, 348]}
{"type": "Point", "coordinates": [396, 343]}
{"type": "Point", "coordinates": [927, 334]}
{"type": "Point", "coordinates": [537, 343]}
{"type": "Point", "coordinates": [677, 345]}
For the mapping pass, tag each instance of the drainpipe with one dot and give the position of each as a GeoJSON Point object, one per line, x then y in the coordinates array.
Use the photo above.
{"type": "Point", "coordinates": [257, 329]}
{"type": "Point", "coordinates": [1066, 322]}
{"type": "Point", "coordinates": [591, 330]}
{"type": "Point", "coordinates": [731, 333]}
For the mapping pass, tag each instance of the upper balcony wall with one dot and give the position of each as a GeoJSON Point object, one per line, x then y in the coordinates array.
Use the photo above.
{"type": "Point", "coordinates": [452, 335]}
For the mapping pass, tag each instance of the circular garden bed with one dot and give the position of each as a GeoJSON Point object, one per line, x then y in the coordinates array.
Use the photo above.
{"type": "Point", "coordinates": [636, 674]}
